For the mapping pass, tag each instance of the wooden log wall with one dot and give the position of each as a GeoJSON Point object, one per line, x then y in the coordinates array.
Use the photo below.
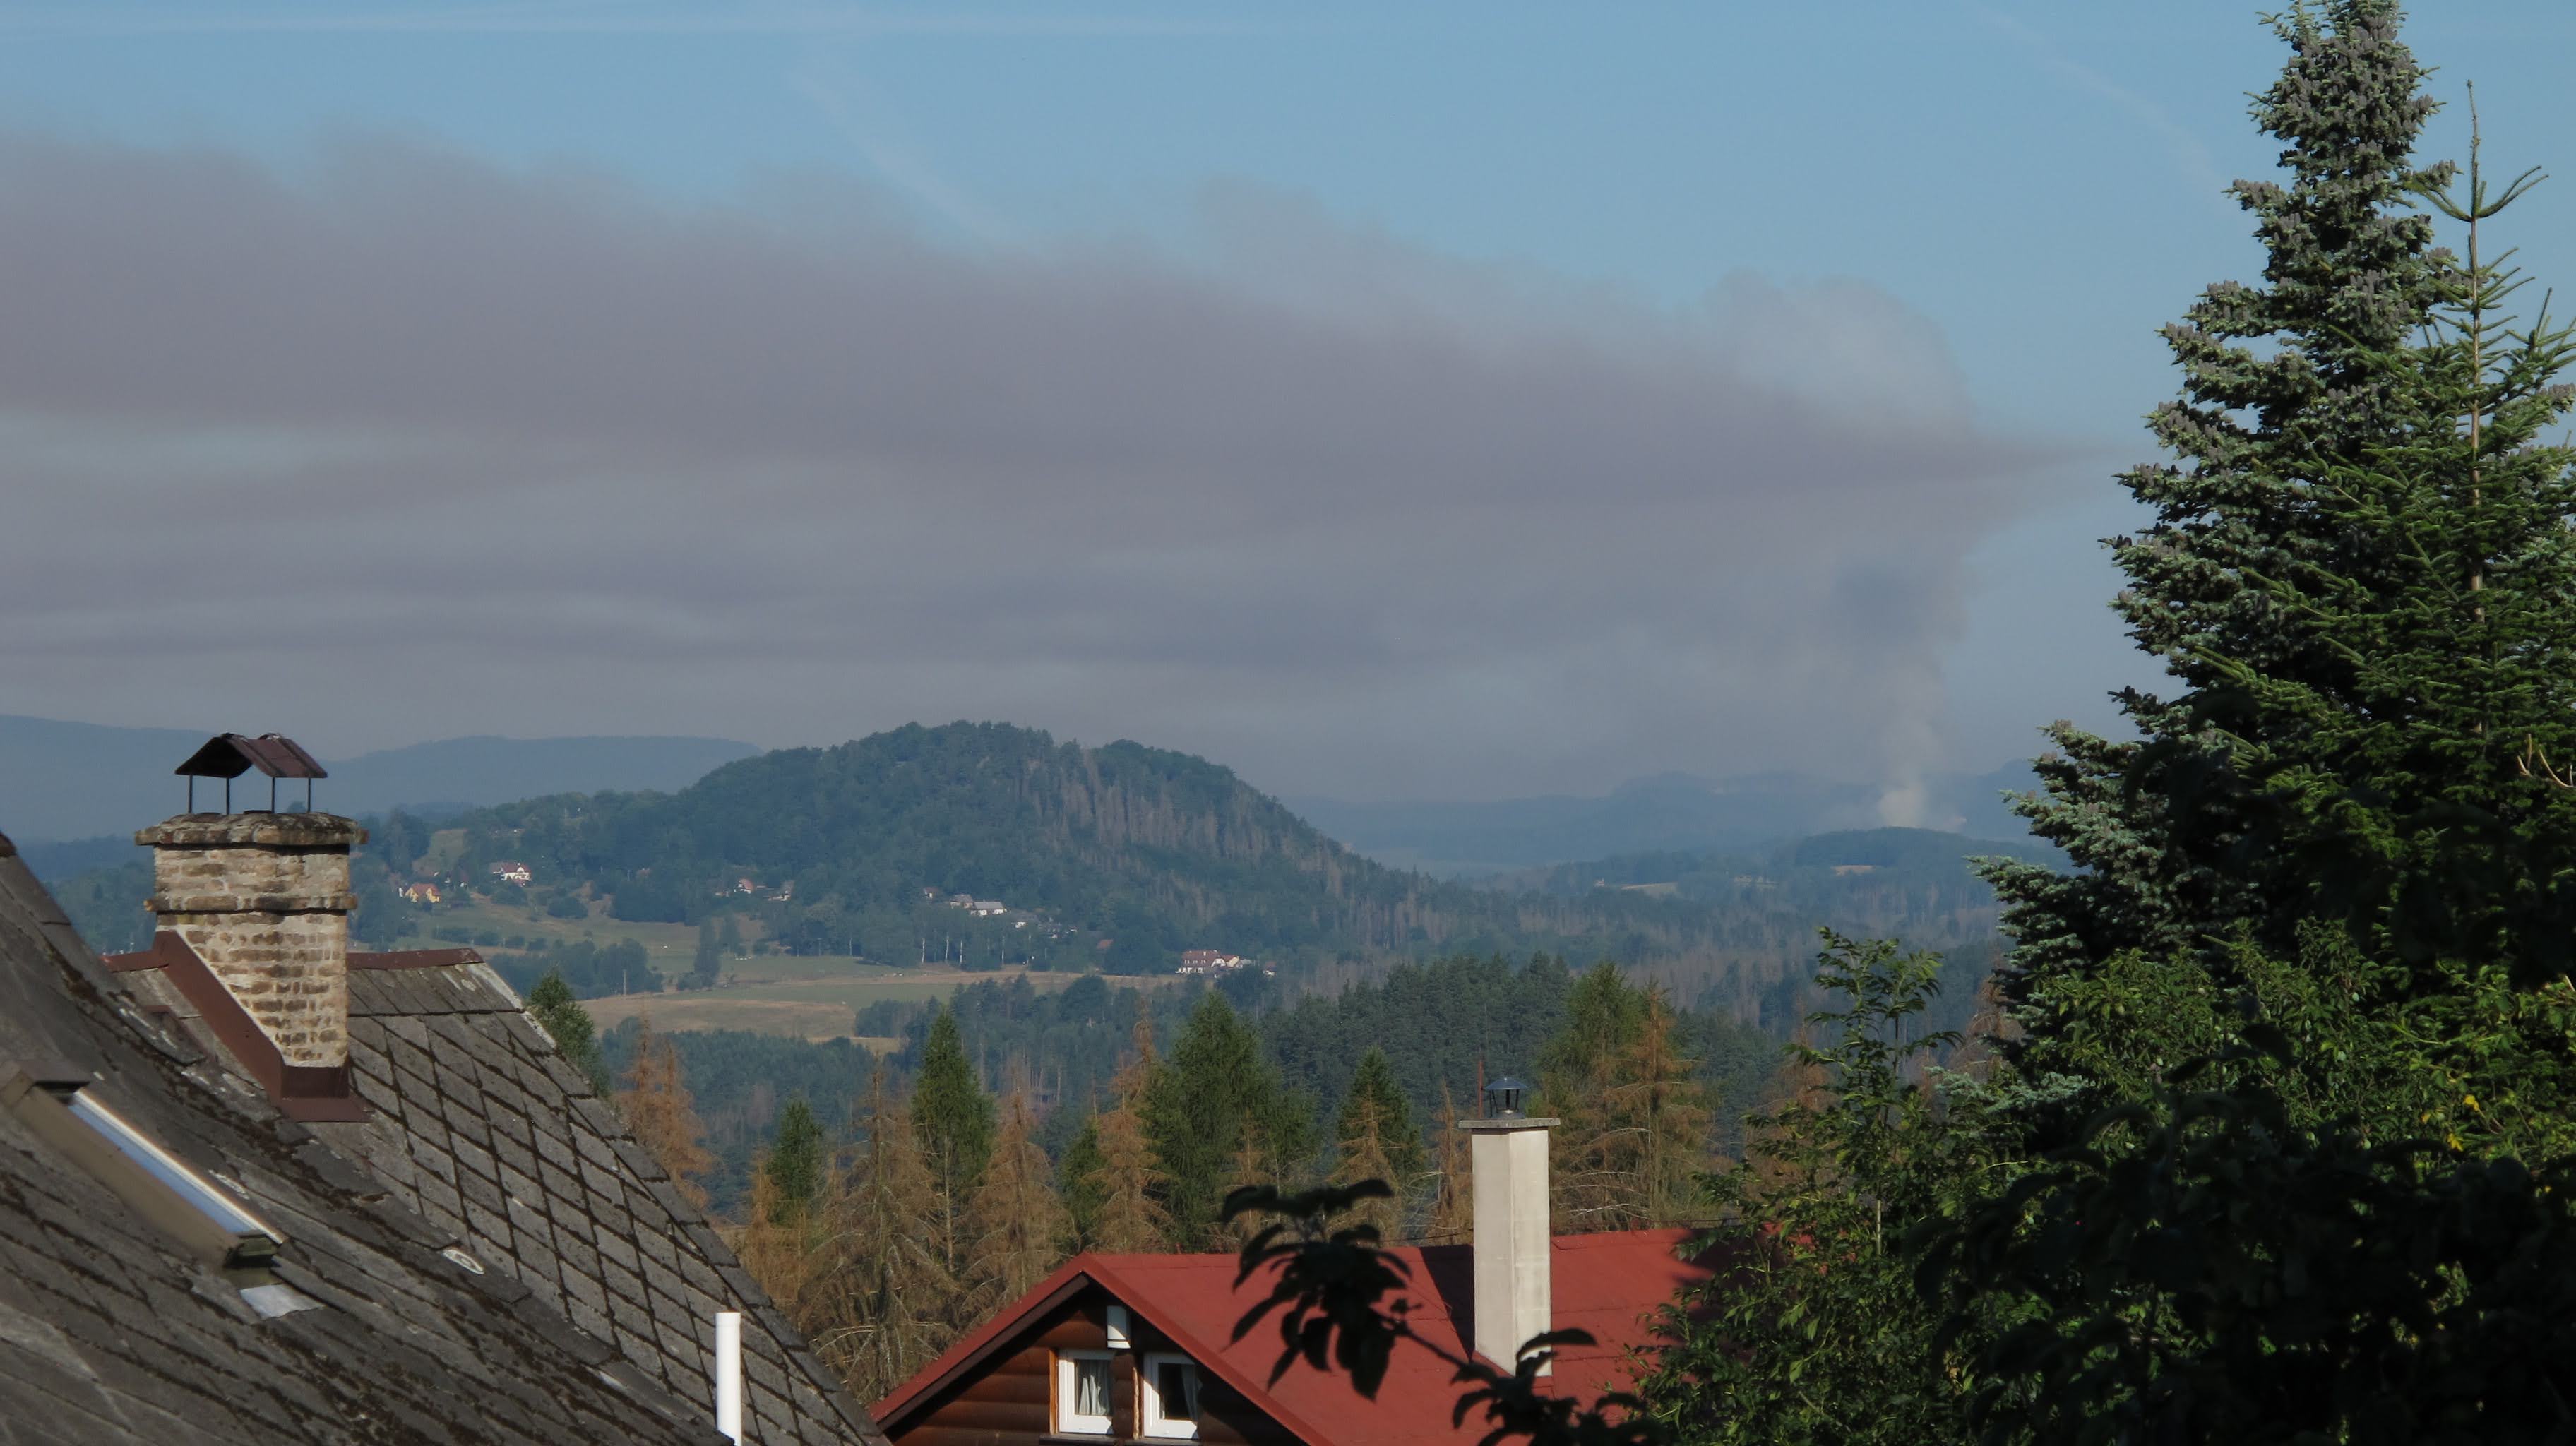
{"type": "Point", "coordinates": [1009, 1400]}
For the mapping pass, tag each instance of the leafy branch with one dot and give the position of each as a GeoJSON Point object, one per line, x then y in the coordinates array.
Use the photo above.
{"type": "Point", "coordinates": [1338, 1298]}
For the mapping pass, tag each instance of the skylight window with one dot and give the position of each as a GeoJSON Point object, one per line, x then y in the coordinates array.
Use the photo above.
{"type": "Point", "coordinates": [201, 1194]}
{"type": "Point", "coordinates": [206, 1220]}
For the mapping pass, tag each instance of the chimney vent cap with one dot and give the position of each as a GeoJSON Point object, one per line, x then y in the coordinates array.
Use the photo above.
{"type": "Point", "coordinates": [230, 755]}
{"type": "Point", "coordinates": [1506, 1098]}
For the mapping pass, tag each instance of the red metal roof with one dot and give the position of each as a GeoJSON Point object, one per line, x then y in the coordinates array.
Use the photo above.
{"type": "Point", "coordinates": [1610, 1284]}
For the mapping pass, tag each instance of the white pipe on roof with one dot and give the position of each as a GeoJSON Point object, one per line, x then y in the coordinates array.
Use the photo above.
{"type": "Point", "coordinates": [729, 1374]}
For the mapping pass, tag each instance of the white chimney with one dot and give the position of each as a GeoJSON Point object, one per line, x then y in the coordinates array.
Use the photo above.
{"type": "Point", "coordinates": [1515, 1298]}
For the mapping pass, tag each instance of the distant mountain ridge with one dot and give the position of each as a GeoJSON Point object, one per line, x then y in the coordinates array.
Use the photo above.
{"type": "Point", "coordinates": [63, 781]}
{"type": "Point", "coordinates": [1136, 853]}
{"type": "Point", "coordinates": [1671, 812]}
{"type": "Point", "coordinates": [1153, 850]}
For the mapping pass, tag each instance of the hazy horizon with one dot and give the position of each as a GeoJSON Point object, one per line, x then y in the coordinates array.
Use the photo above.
{"type": "Point", "coordinates": [1453, 405]}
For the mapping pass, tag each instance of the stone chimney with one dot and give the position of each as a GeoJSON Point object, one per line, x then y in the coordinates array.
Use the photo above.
{"type": "Point", "coordinates": [1515, 1288]}
{"type": "Point", "coordinates": [263, 899]}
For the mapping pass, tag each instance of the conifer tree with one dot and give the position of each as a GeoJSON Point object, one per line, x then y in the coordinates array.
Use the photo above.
{"type": "Point", "coordinates": [1453, 1209]}
{"type": "Point", "coordinates": [950, 1110]}
{"type": "Point", "coordinates": [1587, 1185]}
{"type": "Point", "coordinates": [778, 1247]}
{"type": "Point", "coordinates": [1019, 1222]}
{"type": "Point", "coordinates": [664, 1120]}
{"type": "Point", "coordinates": [1361, 1155]}
{"type": "Point", "coordinates": [708, 965]}
{"type": "Point", "coordinates": [795, 1166]}
{"type": "Point", "coordinates": [889, 1298]}
{"type": "Point", "coordinates": [1129, 1183]}
{"type": "Point", "coordinates": [1656, 1118]}
{"type": "Point", "coordinates": [2287, 387]}
{"type": "Point", "coordinates": [1199, 1105]}
{"type": "Point", "coordinates": [1251, 1170]}
{"type": "Point", "coordinates": [569, 1025]}
{"type": "Point", "coordinates": [1376, 1103]}
{"type": "Point", "coordinates": [2426, 797]}
{"type": "Point", "coordinates": [1079, 1172]}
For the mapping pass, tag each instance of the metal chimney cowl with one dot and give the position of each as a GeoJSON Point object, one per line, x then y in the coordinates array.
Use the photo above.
{"type": "Point", "coordinates": [263, 898]}
{"type": "Point", "coordinates": [1511, 1250]}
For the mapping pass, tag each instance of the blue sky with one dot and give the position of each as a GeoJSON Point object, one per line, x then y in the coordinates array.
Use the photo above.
{"type": "Point", "coordinates": [2035, 184]}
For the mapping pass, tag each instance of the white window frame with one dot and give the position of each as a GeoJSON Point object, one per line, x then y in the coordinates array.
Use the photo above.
{"type": "Point", "coordinates": [1069, 1422]}
{"type": "Point", "coordinates": [1150, 1420]}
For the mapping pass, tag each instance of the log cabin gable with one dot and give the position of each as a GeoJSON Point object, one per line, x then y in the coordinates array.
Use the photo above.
{"type": "Point", "coordinates": [1017, 1387]}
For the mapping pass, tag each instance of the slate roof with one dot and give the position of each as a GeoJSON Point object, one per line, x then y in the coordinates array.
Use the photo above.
{"type": "Point", "coordinates": [475, 1122]}
{"type": "Point", "coordinates": [110, 1334]}
{"type": "Point", "coordinates": [480, 1125]}
{"type": "Point", "coordinates": [1611, 1284]}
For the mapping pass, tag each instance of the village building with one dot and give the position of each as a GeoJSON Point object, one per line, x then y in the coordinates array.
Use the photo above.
{"type": "Point", "coordinates": [1144, 1347]}
{"type": "Point", "coordinates": [1209, 961]}
{"type": "Point", "coordinates": [511, 871]}
{"type": "Point", "coordinates": [259, 1187]}
{"type": "Point", "coordinates": [420, 893]}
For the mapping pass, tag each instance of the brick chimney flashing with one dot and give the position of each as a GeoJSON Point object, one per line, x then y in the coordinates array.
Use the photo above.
{"type": "Point", "coordinates": [263, 900]}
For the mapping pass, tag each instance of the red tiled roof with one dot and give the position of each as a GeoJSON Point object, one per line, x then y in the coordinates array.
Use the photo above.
{"type": "Point", "coordinates": [1609, 1284]}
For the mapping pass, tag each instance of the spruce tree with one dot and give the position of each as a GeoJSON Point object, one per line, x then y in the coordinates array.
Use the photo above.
{"type": "Point", "coordinates": [658, 1109]}
{"type": "Point", "coordinates": [2430, 803]}
{"type": "Point", "coordinates": [1019, 1221]}
{"type": "Point", "coordinates": [1375, 1103]}
{"type": "Point", "coordinates": [950, 1110]}
{"type": "Point", "coordinates": [569, 1025]}
{"type": "Point", "coordinates": [2286, 387]}
{"type": "Point", "coordinates": [1079, 1172]}
{"type": "Point", "coordinates": [795, 1165]}
{"type": "Point", "coordinates": [1199, 1104]}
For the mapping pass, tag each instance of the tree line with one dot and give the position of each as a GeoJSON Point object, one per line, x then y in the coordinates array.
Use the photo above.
{"type": "Point", "coordinates": [888, 1231]}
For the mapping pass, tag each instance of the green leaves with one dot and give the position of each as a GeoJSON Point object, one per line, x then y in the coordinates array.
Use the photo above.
{"type": "Point", "coordinates": [1337, 1297]}
{"type": "Point", "coordinates": [2202, 1266]}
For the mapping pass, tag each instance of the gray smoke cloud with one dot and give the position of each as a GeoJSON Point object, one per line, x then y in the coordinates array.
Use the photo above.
{"type": "Point", "coordinates": [400, 444]}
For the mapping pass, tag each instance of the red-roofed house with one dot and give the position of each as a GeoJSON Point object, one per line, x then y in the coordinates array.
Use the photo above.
{"type": "Point", "coordinates": [1141, 1347]}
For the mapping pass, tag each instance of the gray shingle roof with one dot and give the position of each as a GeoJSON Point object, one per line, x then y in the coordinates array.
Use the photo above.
{"type": "Point", "coordinates": [110, 1334]}
{"type": "Point", "coordinates": [477, 1124]}
{"type": "Point", "coordinates": [480, 1125]}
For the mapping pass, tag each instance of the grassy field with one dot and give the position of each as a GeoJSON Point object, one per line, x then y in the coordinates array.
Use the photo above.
{"type": "Point", "coordinates": [813, 996]}
{"type": "Point", "coordinates": [672, 948]}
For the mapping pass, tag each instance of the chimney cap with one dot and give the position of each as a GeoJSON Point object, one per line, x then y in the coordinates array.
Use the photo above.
{"type": "Point", "coordinates": [230, 755]}
{"type": "Point", "coordinates": [1505, 1097]}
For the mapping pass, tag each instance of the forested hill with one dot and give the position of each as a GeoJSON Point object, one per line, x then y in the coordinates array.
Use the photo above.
{"type": "Point", "coordinates": [1151, 851]}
